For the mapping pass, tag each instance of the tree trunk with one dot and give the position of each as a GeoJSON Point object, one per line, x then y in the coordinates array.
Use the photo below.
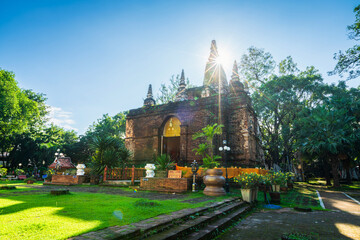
{"type": "Point", "coordinates": [327, 170]}
{"type": "Point", "coordinates": [334, 166]}
{"type": "Point", "coordinates": [347, 168]}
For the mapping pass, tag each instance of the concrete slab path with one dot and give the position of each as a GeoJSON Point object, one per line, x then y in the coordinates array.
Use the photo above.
{"type": "Point", "coordinates": [342, 222]}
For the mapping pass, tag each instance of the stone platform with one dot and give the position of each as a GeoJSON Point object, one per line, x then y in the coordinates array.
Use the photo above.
{"type": "Point", "coordinates": [165, 184]}
{"type": "Point", "coordinates": [68, 180]}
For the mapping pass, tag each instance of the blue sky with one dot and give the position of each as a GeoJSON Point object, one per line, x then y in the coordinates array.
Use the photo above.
{"type": "Point", "coordinates": [95, 57]}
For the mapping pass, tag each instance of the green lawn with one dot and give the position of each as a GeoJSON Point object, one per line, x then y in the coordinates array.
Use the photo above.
{"type": "Point", "coordinates": [354, 186]}
{"type": "Point", "coordinates": [42, 216]}
{"type": "Point", "coordinates": [301, 196]}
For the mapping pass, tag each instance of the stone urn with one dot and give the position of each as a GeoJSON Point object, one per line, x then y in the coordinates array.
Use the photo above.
{"type": "Point", "coordinates": [150, 170]}
{"type": "Point", "coordinates": [214, 182]}
{"type": "Point", "coordinates": [80, 169]}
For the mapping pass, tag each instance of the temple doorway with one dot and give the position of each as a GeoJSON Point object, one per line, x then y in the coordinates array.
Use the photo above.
{"type": "Point", "coordinates": [171, 139]}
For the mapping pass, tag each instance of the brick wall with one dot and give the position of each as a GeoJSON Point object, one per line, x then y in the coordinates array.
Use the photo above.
{"type": "Point", "coordinates": [165, 184]}
{"type": "Point", "coordinates": [144, 127]}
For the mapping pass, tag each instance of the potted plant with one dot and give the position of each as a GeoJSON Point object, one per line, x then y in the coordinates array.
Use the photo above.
{"type": "Point", "coordinates": [249, 183]}
{"type": "Point", "coordinates": [277, 179]}
{"type": "Point", "coordinates": [289, 177]}
{"type": "Point", "coordinates": [49, 174]}
{"type": "Point", "coordinates": [213, 178]}
{"type": "Point", "coordinates": [30, 180]}
{"type": "Point", "coordinates": [19, 171]}
{"type": "Point", "coordinates": [163, 164]}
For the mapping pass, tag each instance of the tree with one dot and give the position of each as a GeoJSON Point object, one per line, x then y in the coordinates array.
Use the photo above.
{"type": "Point", "coordinates": [349, 61]}
{"type": "Point", "coordinates": [107, 151]}
{"type": "Point", "coordinates": [168, 92]}
{"type": "Point", "coordinates": [206, 149]}
{"type": "Point", "coordinates": [256, 66]}
{"type": "Point", "coordinates": [20, 110]}
{"type": "Point", "coordinates": [277, 103]}
{"type": "Point", "coordinates": [109, 126]}
{"type": "Point", "coordinates": [331, 129]}
{"type": "Point", "coordinates": [288, 66]}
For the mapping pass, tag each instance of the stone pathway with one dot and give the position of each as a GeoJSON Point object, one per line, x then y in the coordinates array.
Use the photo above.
{"type": "Point", "coordinates": [343, 222]}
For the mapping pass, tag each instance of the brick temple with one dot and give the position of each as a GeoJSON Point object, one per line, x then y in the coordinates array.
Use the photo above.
{"type": "Point", "coordinates": [169, 128]}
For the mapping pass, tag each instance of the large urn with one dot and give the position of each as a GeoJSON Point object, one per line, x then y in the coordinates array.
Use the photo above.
{"type": "Point", "coordinates": [150, 170]}
{"type": "Point", "coordinates": [214, 182]}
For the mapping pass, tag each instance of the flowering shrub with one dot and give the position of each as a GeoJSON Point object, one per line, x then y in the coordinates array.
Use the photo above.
{"type": "Point", "coordinates": [278, 178]}
{"type": "Point", "coordinates": [249, 180]}
{"type": "Point", "coordinates": [289, 176]}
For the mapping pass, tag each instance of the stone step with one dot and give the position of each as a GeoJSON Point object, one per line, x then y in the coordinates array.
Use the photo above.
{"type": "Point", "coordinates": [157, 224]}
{"type": "Point", "coordinates": [165, 221]}
{"type": "Point", "coordinates": [188, 226]}
{"type": "Point", "coordinates": [215, 228]}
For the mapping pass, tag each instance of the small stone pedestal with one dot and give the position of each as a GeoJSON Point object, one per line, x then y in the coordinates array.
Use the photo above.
{"type": "Point", "coordinates": [59, 192]}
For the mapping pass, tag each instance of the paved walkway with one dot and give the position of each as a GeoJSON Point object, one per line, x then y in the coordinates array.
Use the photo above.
{"type": "Point", "coordinates": [343, 222]}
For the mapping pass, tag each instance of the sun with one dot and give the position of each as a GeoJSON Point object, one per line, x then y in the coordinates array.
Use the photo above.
{"type": "Point", "coordinates": [224, 58]}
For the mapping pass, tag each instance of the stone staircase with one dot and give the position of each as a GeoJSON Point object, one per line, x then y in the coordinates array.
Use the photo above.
{"type": "Point", "coordinates": [197, 223]}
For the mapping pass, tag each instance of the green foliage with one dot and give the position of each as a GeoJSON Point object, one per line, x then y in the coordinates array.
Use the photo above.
{"type": "Point", "coordinates": [30, 179]}
{"type": "Point", "coordinates": [278, 178]}
{"type": "Point", "coordinates": [3, 171]}
{"type": "Point", "coordinates": [20, 110]}
{"type": "Point", "coordinates": [163, 162]}
{"type": "Point", "coordinates": [107, 151]}
{"type": "Point", "coordinates": [349, 61]}
{"type": "Point", "coordinates": [278, 103]}
{"type": "Point", "coordinates": [297, 236]}
{"type": "Point", "coordinates": [19, 172]}
{"type": "Point", "coordinates": [288, 66]}
{"type": "Point", "coordinates": [168, 93]}
{"type": "Point", "coordinates": [249, 180]}
{"type": "Point", "coordinates": [256, 66]}
{"type": "Point", "coordinates": [206, 150]}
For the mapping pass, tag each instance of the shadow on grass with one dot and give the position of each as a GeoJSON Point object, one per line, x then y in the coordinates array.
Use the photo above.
{"type": "Point", "coordinates": [102, 209]}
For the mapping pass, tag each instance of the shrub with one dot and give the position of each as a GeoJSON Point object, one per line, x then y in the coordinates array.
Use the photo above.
{"type": "Point", "coordinates": [278, 178]}
{"type": "Point", "coordinates": [3, 171]}
{"type": "Point", "coordinates": [19, 172]}
{"type": "Point", "coordinates": [206, 150]}
{"type": "Point", "coordinates": [30, 179]}
{"type": "Point", "coordinates": [163, 162]}
{"type": "Point", "coordinates": [249, 180]}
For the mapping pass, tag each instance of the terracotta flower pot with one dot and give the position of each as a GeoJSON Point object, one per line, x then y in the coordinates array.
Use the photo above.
{"type": "Point", "coordinates": [214, 182]}
{"type": "Point", "coordinates": [29, 182]}
{"type": "Point", "coordinates": [283, 189]}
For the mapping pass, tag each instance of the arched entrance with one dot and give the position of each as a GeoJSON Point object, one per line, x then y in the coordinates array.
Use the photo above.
{"type": "Point", "coordinates": [171, 139]}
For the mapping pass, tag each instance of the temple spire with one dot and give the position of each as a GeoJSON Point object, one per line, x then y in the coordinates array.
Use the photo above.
{"type": "Point", "coordinates": [182, 79]}
{"type": "Point", "coordinates": [213, 51]}
{"type": "Point", "coordinates": [235, 72]}
{"type": "Point", "coordinates": [214, 76]}
{"type": "Point", "coordinates": [149, 101]}
{"type": "Point", "coordinates": [149, 94]}
{"type": "Point", "coordinates": [181, 94]}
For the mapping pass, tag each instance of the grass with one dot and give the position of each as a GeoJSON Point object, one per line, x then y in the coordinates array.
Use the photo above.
{"type": "Point", "coordinates": [42, 216]}
{"type": "Point", "coordinates": [301, 196]}
{"type": "Point", "coordinates": [354, 186]}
